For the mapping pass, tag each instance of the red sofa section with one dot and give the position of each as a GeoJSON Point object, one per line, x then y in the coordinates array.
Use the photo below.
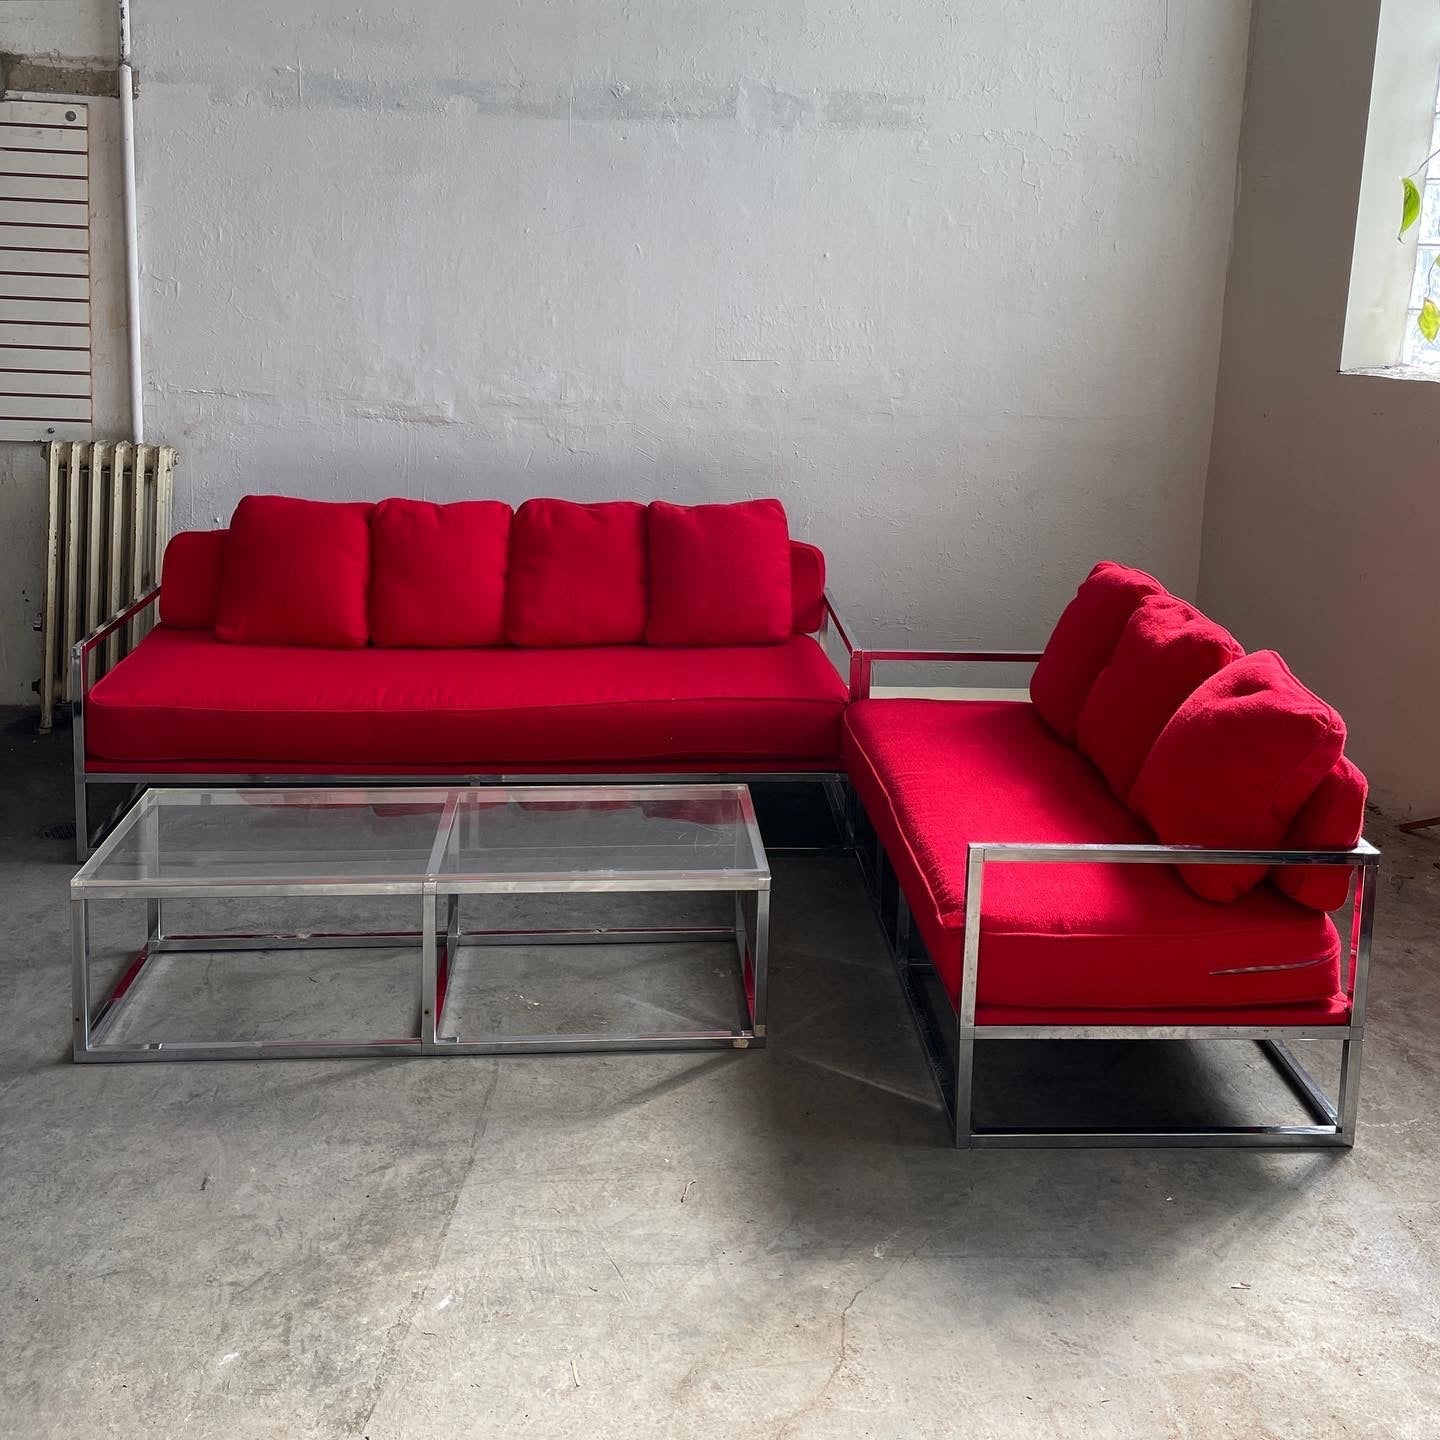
{"type": "Point", "coordinates": [409, 637]}
{"type": "Point", "coordinates": [1212, 747]}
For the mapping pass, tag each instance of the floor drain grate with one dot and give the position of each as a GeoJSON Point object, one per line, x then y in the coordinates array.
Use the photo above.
{"type": "Point", "coordinates": [60, 830]}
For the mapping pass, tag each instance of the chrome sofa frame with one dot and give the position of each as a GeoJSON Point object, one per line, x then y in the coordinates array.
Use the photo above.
{"type": "Point", "coordinates": [832, 627]}
{"type": "Point", "coordinates": [952, 1065]}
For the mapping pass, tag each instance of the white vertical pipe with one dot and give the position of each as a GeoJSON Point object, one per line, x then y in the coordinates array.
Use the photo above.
{"type": "Point", "coordinates": [132, 231]}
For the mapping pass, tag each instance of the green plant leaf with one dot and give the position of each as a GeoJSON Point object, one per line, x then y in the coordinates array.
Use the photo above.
{"type": "Point", "coordinates": [1410, 207]}
{"type": "Point", "coordinates": [1428, 320]}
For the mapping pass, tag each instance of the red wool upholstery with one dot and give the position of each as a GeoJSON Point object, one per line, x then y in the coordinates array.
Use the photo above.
{"type": "Point", "coordinates": [296, 572]}
{"type": "Point", "coordinates": [1331, 819]}
{"type": "Point", "coordinates": [190, 579]}
{"type": "Point", "coordinates": [183, 697]}
{"type": "Point", "coordinates": [1165, 651]}
{"type": "Point", "coordinates": [807, 587]}
{"type": "Point", "coordinates": [1234, 766]}
{"type": "Point", "coordinates": [438, 573]}
{"type": "Point", "coordinates": [577, 574]}
{"type": "Point", "coordinates": [936, 775]}
{"type": "Point", "coordinates": [719, 574]}
{"type": "Point", "coordinates": [1084, 640]}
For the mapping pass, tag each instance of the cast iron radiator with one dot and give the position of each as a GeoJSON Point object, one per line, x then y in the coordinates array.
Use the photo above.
{"type": "Point", "coordinates": [109, 518]}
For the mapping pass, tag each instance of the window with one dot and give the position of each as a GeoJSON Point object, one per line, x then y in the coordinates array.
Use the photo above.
{"type": "Point", "coordinates": [1389, 280]}
{"type": "Point", "coordinates": [1415, 349]}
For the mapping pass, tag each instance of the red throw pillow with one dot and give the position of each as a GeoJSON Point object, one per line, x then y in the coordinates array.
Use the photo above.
{"type": "Point", "coordinates": [437, 573]}
{"type": "Point", "coordinates": [720, 574]}
{"type": "Point", "coordinates": [807, 587]}
{"type": "Point", "coordinates": [190, 579]}
{"type": "Point", "coordinates": [1166, 650]}
{"type": "Point", "coordinates": [1234, 765]}
{"type": "Point", "coordinates": [1083, 640]}
{"type": "Point", "coordinates": [296, 572]}
{"type": "Point", "coordinates": [577, 574]}
{"type": "Point", "coordinates": [1331, 819]}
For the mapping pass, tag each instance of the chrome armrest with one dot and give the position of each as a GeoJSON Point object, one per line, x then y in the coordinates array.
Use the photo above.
{"type": "Point", "coordinates": [1364, 857]}
{"type": "Point", "coordinates": [835, 621]}
{"type": "Point", "coordinates": [82, 648]}
{"type": "Point", "coordinates": [1018, 657]}
{"type": "Point", "coordinates": [863, 661]}
{"type": "Point", "coordinates": [863, 658]}
{"type": "Point", "coordinates": [80, 653]}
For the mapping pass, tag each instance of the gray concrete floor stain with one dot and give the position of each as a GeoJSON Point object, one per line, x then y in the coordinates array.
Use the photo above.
{"type": "Point", "coordinates": [776, 1243]}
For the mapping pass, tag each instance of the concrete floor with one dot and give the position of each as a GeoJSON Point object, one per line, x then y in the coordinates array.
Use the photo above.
{"type": "Point", "coordinates": [772, 1243]}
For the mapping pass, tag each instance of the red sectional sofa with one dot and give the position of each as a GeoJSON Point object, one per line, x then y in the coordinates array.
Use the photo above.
{"type": "Point", "coordinates": [465, 640]}
{"type": "Point", "coordinates": [1152, 847]}
{"type": "Point", "coordinates": [1037, 850]}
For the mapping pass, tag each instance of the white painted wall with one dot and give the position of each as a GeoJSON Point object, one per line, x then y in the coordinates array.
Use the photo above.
{"type": "Point", "coordinates": [1322, 527]}
{"type": "Point", "coordinates": [945, 277]}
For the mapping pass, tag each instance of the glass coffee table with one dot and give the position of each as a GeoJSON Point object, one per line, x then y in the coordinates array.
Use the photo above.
{"type": "Point", "coordinates": [443, 851]}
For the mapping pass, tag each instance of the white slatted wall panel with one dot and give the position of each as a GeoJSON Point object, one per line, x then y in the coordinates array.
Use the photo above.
{"type": "Point", "coordinates": [45, 357]}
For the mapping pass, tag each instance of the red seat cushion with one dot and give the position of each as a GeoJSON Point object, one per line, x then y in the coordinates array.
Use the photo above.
{"type": "Point", "coordinates": [1084, 639]}
{"type": "Point", "coordinates": [181, 696]}
{"type": "Point", "coordinates": [807, 587]}
{"type": "Point", "coordinates": [437, 573]}
{"type": "Point", "coordinates": [296, 572]}
{"type": "Point", "coordinates": [719, 574]}
{"type": "Point", "coordinates": [936, 775]}
{"type": "Point", "coordinates": [1165, 651]}
{"type": "Point", "coordinates": [577, 574]}
{"type": "Point", "coordinates": [190, 579]}
{"type": "Point", "coordinates": [1235, 764]}
{"type": "Point", "coordinates": [1331, 819]}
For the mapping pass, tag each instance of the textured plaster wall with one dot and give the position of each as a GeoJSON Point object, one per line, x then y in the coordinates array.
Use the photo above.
{"type": "Point", "coordinates": [1324, 504]}
{"type": "Point", "coordinates": [944, 277]}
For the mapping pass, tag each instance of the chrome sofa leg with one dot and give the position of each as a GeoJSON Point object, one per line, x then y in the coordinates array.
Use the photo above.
{"type": "Point", "coordinates": [964, 1091]}
{"type": "Point", "coordinates": [1351, 1053]}
{"type": "Point", "coordinates": [82, 820]}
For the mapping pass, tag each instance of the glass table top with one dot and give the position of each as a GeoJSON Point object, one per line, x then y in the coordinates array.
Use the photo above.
{"type": "Point", "coordinates": [392, 840]}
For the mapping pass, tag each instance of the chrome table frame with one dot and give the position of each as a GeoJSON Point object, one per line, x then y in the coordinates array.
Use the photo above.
{"type": "Point", "coordinates": [952, 1064]}
{"type": "Point", "coordinates": [438, 945]}
{"type": "Point", "coordinates": [833, 630]}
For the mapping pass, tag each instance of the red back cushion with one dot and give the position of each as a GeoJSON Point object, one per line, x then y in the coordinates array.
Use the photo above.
{"type": "Point", "coordinates": [1234, 765]}
{"type": "Point", "coordinates": [1331, 819]}
{"type": "Point", "coordinates": [807, 587]}
{"type": "Point", "coordinates": [577, 574]}
{"type": "Point", "coordinates": [1083, 640]}
{"type": "Point", "coordinates": [296, 572]}
{"type": "Point", "coordinates": [720, 574]}
{"type": "Point", "coordinates": [190, 579]}
{"type": "Point", "coordinates": [1165, 651]}
{"type": "Point", "coordinates": [437, 573]}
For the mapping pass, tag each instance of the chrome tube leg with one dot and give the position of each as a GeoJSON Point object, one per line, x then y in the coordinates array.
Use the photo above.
{"type": "Point", "coordinates": [1351, 1053]}
{"type": "Point", "coordinates": [82, 819]}
{"type": "Point", "coordinates": [150, 853]}
{"type": "Point", "coordinates": [78, 669]}
{"type": "Point", "coordinates": [969, 985]}
{"type": "Point", "coordinates": [452, 950]}
{"type": "Point", "coordinates": [964, 1102]}
{"type": "Point", "coordinates": [429, 968]}
{"type": "Point", "coordinates": [80, 975]}
{"type": "Point", "coordinates": [761, 960]}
